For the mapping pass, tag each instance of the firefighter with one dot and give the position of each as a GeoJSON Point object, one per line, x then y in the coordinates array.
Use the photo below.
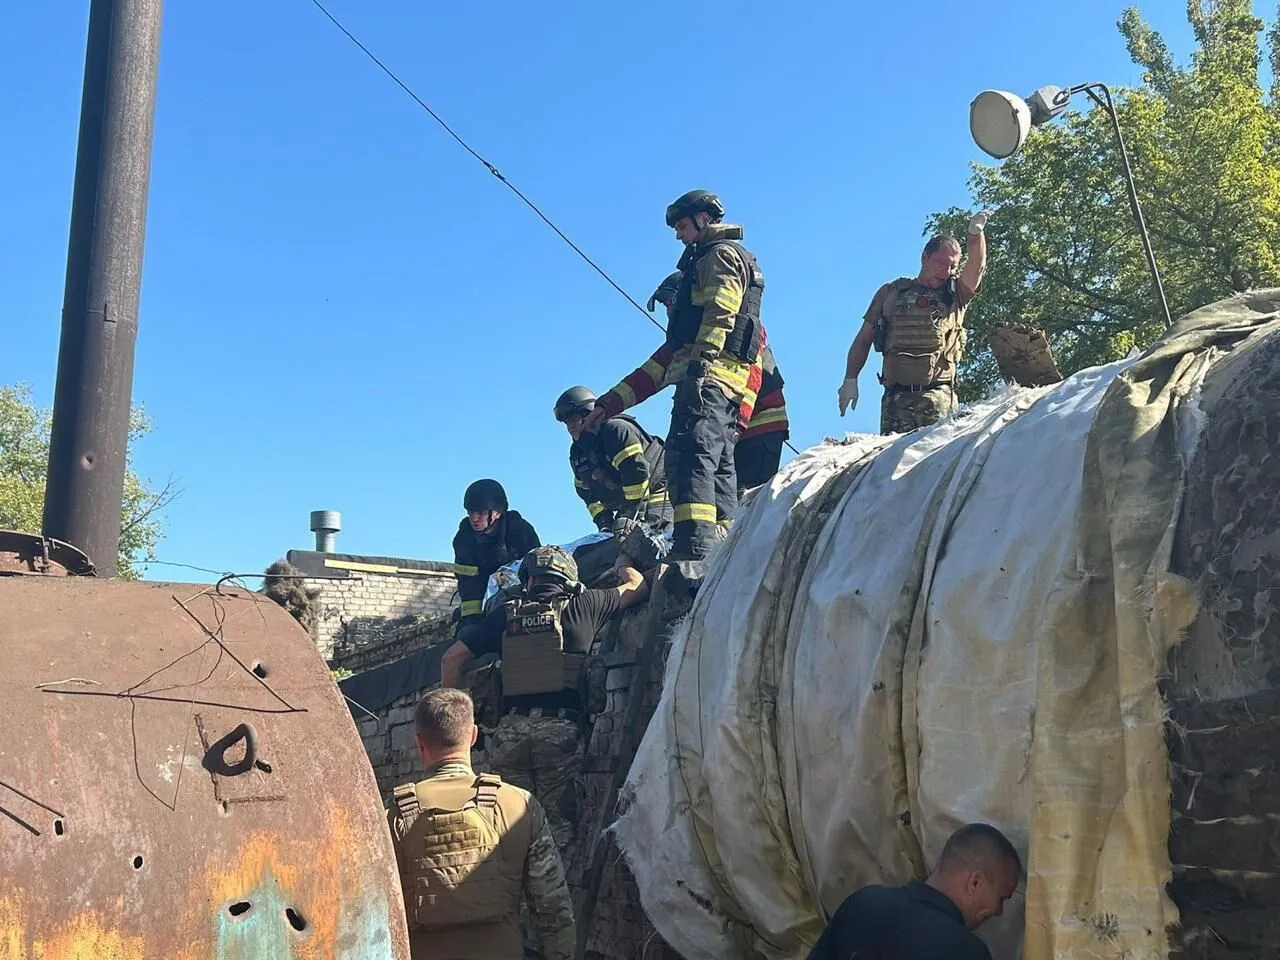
{"type": "Point", "coordinates": [763, 430]}
{"type": "Point", "coordinates": [489, 537]}
{"type": "Point", "coordinates": [918, 324]}
{"type": "Point", "coordinates": [469, 848]}
{"type": "Point", "coordinates": [543, 637]}
{"type": "Point", "coordinates": [618, 471]}
{"type": "Point", "coordinates": [711, 355]}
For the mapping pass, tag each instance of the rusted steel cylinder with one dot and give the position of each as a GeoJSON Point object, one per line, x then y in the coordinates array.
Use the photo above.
{"type": "Point", "coordinates": [180, 779]}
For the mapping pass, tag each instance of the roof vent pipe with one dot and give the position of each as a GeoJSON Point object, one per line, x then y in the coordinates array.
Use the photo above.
{"type": "Point", "coordinates": [326, 524]}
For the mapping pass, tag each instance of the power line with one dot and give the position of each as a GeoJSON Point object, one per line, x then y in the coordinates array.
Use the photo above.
{"type": "Point", "coordinates": [487, 165]}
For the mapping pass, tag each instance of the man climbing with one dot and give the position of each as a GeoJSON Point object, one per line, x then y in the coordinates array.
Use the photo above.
{"type": "Point", "coordinates": [978, 871]}
{"type": "Point", "coordinates": [489, 537]}
{"type": "Point", "coordinates": [543, 637]}
{"type": "Point", "coordinates": [711, 354]}
{"type": "Point", "coordinates": [470, 847]}
{"type": "Point", "coordinates": [918, 324]}
{"type": "Point", "coordinates": [764, 429]}
{"type": "Point", "coordinates": [618, 471]}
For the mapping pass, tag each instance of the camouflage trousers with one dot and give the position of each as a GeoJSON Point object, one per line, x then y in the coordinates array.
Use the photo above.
{"type": "Point", "coordinates": [902, 411]}
{"type": "Point", "coordinates": [542, 754]}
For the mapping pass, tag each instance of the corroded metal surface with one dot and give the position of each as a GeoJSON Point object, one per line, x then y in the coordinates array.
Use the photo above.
{"type": "Point", "coordinates": [179, 778]}
{"type": "Point", "coordinates": [32, 554]}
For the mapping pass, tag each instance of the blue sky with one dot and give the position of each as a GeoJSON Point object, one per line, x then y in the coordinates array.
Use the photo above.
{"type": "Point", "coordinates": [343, 310]}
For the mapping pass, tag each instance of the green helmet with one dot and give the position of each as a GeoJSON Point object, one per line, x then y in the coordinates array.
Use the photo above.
{"type": "Point", "coordinates": [695, 201]}
{"type": "Point", "coordinates": [573, 402]}
{"type": "Point", "coordinates": [666, 292]}
{"type": "Point", "coordinates": [547, 566]}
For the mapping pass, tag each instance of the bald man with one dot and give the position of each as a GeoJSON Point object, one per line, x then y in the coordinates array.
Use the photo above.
{"type": "Point", "coordinates": [977, 872]}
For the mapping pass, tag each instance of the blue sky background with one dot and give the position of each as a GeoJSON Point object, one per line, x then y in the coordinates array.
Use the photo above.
{"type": "Point", "coordinates": [343, 310]}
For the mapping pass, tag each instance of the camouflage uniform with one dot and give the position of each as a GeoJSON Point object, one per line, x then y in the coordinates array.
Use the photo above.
{"type": "Point", "coordinates": [902, 411]}
{"type": "Point", "coordinates": [542, 754]}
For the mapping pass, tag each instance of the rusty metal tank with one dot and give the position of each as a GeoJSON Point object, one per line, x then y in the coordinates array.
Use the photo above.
{"type": "Point", "coordinates": [179, 777]}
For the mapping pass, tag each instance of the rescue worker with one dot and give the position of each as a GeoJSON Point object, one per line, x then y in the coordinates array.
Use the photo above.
{"type": "Point", "coordinates": [918, 324]}
{"type": "Point", "coordinates": [619, 470]}
{"type": "Point", "coordinates": [489, 537]}
{"type": "Point", "coordinates": [469, 847]}
{"type": "Point", "coordinates": [711, 355]}
{"type": "Point", "coordinates": [978, 871]}
{"type": "Point", "coordinates": [543, 637]}
{"type": "Point", "coordinates": [764, 430]}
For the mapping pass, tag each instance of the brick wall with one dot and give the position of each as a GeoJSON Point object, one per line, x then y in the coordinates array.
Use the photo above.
{"type": "Point", "coordinates": [389, 743]}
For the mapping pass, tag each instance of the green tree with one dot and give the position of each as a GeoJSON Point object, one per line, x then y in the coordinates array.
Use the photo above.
{"type": "Point", "coordinates": [24, 461]}
{"type": "Point", "coordinates": [1204, 140]}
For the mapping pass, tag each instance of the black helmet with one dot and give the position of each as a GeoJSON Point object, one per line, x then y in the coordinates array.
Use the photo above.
{"type": "Point", "coordinates": [551, 566]}
{"type": "Point", "coordinates": [666, 292]}
{"type": "Point", "coordinates": [695, 201]}
{"type": "Point", "coordinates": [574, 401]}
{"type": "Point", "coordinates": [484, 495]}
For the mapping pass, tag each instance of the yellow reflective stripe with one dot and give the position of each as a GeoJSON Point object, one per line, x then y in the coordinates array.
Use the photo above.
{"type": "Point", "coordinates": [662, 496]}
{"type": "Point", "coordinates": [462, 570]}
{"type": "Point", "coordinates": [579, 484]}
{"type": "Point", "coordinates": [627, 394]}
{"type": "Point", "coordinates": [775, 415]}
{"type": "Point", "coordinates": [713, 337]}
{"type": "Point", "coordinates": [472, 608]}
{"type": "Point", "coordinates": [595, 509]}
{"type": "Point", "coordinates": [704, 512]}
{"type": "Point", "coordinates": [654, 370]}
{"type": "Point", "coordinates": [630, 450]}
{"type": "Point", "coordinates": [637, 491]}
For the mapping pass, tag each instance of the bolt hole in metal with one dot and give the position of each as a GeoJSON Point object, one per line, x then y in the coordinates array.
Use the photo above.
{"type": "Point", "coordinates": [259, 669]}
{"type": "Point", "coordinates": [296, 919]}
{"type": "Point", "coordinates": [137, 862]}
{"type": "Point", "coordinates": [58, 828]}
{"type": "Point", "coordinates": [240, 908]}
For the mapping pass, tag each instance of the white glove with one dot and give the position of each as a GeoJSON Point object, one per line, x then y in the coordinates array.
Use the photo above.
{"type": "Point", "coordinates": [979, 222]}
{"type": "Point", "coordinates": [848, 395]}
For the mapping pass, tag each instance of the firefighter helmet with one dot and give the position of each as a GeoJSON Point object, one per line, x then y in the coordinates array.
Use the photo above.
{"type": "Point", "coordinates": [574, 402]}
{"type": "Point", "coordinates": [694, 202]}
{"type": "Point", "coordinates": [666, 292]}
{"type": "Point", "coordinates": [484, 495]}
{"type": "Point", "coordinates": [549, 565]}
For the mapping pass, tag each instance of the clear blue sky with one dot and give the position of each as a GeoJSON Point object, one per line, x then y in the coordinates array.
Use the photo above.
{"type": "Point", "coordinates": [343, 310]}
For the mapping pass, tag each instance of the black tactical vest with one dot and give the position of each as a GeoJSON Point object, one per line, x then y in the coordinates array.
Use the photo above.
{"type": "Point", "coordinates": [743, 342]}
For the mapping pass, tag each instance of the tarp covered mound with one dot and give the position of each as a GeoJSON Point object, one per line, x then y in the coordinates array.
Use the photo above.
{"type": "Point", "coordinates": [903, 635]}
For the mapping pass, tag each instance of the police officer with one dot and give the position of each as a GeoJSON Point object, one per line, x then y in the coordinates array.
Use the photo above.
{"type": "Point", "coordinates": [763, 430]}
{"type": "Point", "coordinates": [489, 537]}
{"type": "Point", "coordinates": [470, 847]}
{"type": "Point", "coordinates": [543, 637]}
{"type": "Point", "coordinates": [619, 470]}
{"type": "Point", "coordinates": [711, 354]}
{"type": "Point", "coordinates": [918, 324]}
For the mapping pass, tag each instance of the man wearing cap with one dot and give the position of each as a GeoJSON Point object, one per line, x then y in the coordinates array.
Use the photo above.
{"type": "Point", "coordinates": [711, 355]}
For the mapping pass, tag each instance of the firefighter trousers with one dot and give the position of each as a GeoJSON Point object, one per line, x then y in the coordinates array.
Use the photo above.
{"type": "Point", "coordinates": [756, 458]}
{"type": "Point", "coordinates": [700, 468]}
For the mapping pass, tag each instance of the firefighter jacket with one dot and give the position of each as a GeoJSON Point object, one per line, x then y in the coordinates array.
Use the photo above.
{"type": "Point", "coordinates": [920, 331]}
{"type": "Point", "coordinates": [618, 471]}
{"type": "Point", "coordinates": [715, 321]}
{"type": "Point", "coordinates": [477, 555]}
{"type": "Point", "coordinates": [770, 412]}
{"type": "Point", "coordinates": [468, 848]}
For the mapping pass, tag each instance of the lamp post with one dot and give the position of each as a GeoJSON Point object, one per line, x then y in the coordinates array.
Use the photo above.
{"type": "Point", "coordinates": [1000, 123]}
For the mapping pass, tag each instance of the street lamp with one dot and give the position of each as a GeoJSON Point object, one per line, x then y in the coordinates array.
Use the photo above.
{"type": "Point", "coordinates": [1000, 123]}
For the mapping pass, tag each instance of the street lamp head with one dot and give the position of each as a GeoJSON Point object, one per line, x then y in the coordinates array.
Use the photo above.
{"type": "Point", "coordinates": [999, 122]}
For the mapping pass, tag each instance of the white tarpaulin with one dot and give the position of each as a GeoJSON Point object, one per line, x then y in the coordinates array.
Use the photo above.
{"type": "Point", "coordinates": [901, 636]}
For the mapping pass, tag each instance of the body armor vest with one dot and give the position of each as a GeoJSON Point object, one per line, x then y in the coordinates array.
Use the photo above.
{"type": "Point", "coordinates": [924, 334]}
{"type": "Point", "coordinates": [743, 342]}
{"type": "Point", "coordinates": [533, 656]}
{"type": "Point", "coordinates": [464, 843]}
{"type": "Point", "coordinates": [593, 468]}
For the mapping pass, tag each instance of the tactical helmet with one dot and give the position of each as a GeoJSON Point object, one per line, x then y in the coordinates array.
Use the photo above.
{"type": "Point", "coordinates": [484, 495]}
{"type": "Point", "coordinates": [695, 201]}
{"type": "Point", "coordinates": [666, 292]}
{"type": "Point", "coordinates": [575, 401]}
{"type": "Point", "coordinates": [550, 565]}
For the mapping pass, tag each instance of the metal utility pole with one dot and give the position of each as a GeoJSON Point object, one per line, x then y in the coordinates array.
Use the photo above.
{"type": "Point", "coordinates": [104, 276]}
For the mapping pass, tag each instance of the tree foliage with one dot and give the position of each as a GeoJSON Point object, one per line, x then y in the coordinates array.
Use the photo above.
{"type": "Point", "coordinates": [1204, 141]}
{"type": "Point", "coordinates": [24, 462]}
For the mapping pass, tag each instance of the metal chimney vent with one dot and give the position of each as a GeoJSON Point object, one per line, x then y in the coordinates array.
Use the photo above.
{"type": "Point", "coordinates": [326, 524]}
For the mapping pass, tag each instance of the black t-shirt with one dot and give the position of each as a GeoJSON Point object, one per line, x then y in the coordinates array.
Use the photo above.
{"type": "Point", "coordinates": [913, 922]}
{"type": "Point", "coordinates": [581, 622]}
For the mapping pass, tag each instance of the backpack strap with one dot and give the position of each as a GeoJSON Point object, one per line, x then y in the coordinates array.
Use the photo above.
{"type": "Point", "coordinates": [487, 786]}
{"type": "Point", "coordinates": [406, 798]}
